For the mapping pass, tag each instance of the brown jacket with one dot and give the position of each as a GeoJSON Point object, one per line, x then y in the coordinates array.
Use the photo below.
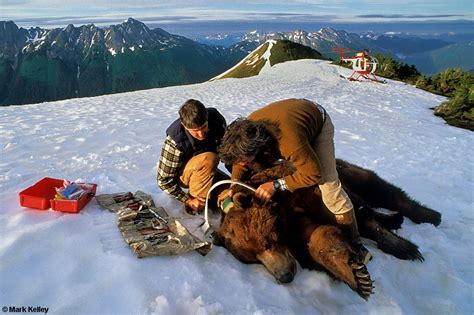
{"type": "Point", "coordinates": [300, 122]}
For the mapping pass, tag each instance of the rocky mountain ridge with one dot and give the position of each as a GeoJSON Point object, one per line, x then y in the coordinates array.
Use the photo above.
{"type": "Point", "coordinates": [40, 65]}
{"type": "Point", "coordinates": [327, 38]}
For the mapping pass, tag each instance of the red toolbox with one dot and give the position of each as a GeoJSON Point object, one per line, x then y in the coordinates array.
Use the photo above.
{"type": "Point", "coordinates": [41, 196]}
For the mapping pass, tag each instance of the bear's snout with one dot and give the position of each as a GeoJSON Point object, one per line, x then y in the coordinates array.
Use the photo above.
{"type": "Point", "coordinates": [286, 277]}
{"type": "Point", "coordinates": [280, 263]}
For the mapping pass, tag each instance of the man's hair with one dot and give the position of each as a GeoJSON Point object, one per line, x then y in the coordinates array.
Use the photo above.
{"type": "Point", "coordinates": [193, 114]}
{"type": "Point", "coordinates": [244, 138]}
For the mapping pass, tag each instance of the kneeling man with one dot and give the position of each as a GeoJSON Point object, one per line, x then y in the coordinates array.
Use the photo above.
{"type": "Point", "coordinates": [189, 155]}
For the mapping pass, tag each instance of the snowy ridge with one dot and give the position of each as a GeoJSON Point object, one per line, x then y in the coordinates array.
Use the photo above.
{"type": "Point", "coordinates": [252, 59]}
{"type": "Point", "coordinates": [75, 264]}
{"type": "Point", "coordinates": [267, 54]}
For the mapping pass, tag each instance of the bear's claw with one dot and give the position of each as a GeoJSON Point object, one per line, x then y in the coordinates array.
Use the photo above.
{"type": "Point", "coordinates": [362, 278]}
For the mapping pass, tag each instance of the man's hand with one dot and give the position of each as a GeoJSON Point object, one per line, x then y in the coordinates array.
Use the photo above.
{"type": "Point", "coordinates": [265, 191]}
{"type": "Point", "coordinates": [197, 204]}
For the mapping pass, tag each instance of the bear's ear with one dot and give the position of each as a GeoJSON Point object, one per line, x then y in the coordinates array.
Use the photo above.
{"type": "Point", "coordinates": [242, 200]}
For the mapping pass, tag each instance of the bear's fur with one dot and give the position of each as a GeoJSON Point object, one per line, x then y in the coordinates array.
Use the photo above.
{"type": "Point", "coordinates": [298, 226]}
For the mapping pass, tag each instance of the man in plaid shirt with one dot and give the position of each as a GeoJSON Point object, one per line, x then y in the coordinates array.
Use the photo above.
{"type": "Point", "coordinates": [189, 155]}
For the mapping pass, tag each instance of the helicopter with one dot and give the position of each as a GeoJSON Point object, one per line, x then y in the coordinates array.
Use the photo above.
{"type": "Point", "coordinates": [363, 64]}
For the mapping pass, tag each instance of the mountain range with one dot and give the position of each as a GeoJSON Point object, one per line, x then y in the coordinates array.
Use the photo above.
{"type": "Point", "coordinates": [429, 55]}
{"type": "Point", "coordinates": [327, 38]}
{"type": "Point", "coordinates": [457, 55]}
{"type": "Point", "coordinates": [38, 65]}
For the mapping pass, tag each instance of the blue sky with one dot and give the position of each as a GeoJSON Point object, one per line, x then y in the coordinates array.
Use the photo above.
{"type": "Point", "coordinates": [59, 13]}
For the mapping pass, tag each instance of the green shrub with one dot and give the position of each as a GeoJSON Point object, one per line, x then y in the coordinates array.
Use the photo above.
{"type": "Point", "coordinates": [459, 109]}
{"type": "Point", "coordinates": [392, 69]}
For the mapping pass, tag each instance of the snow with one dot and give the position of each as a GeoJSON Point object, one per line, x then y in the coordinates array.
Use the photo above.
{"type": "Point", "coordinates": [112, 51]}
{"type": "Point", "coordinates": [267, 54]}
{"type": "Point", "coordinates": [37, 37]}
{"type": "Point", "coordinates": [79, 264]}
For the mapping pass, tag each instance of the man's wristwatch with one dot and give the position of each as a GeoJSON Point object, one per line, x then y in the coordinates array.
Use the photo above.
{"type": "Point", "coordinates": [276, 185]}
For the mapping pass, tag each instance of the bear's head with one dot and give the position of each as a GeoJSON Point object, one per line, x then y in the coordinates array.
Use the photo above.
{"type": "Point", "coordinates": [250, 231]}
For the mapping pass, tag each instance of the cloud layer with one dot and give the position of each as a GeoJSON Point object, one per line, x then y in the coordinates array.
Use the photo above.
{"type": "Point", "coordinates": [54, 13]}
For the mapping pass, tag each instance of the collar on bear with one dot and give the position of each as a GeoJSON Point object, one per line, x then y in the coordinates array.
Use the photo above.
{"type": "Point", "coordinates": [206, 226]}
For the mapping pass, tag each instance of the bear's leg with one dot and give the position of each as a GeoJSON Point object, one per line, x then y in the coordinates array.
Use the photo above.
{"type": "Point", "coordinates": [389, 221]}
{"type": "Point", "coordinates": [378, 193]}
{"type": "Point", "coordinates": [389, 242]}
{"type": "Point", "coordinates": [329, 248]}
{"type": "Point", "coordinates": [414, 210]}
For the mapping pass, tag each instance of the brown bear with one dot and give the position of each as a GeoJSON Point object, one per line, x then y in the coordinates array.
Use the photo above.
{"type": "Point", "coordinates": [297, 226]}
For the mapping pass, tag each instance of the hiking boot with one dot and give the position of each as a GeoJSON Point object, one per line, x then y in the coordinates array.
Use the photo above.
{"type": "Point", "coordinates": [347, 221]}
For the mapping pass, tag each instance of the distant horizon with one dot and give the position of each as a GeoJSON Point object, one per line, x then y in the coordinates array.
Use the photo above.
{"type": "Point", "coordinates": [235, 27]}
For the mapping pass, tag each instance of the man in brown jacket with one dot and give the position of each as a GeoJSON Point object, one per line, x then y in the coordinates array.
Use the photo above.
{"type": "Point", "coordinates": [301, 132]}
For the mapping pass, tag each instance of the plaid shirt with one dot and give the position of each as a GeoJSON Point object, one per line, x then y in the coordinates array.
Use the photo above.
{"type": "Point", "coordinates": [171, 161]}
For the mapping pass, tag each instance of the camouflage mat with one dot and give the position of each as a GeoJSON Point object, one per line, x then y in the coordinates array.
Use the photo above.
{"type": "Point", "coordinates": [149, 230]}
